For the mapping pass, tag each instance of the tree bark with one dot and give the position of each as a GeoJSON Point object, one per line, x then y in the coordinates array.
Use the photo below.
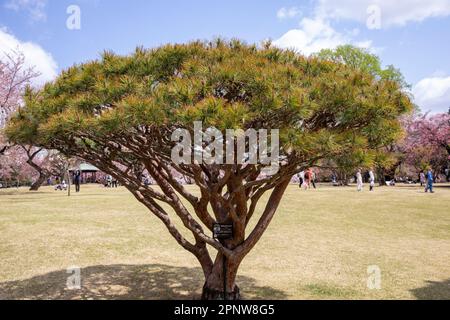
{"type": "Point", "coordinates": [3, 149]}
{"type": "Point", "coordinates": [223, 272]}
{"type": "Point", "coordinates": [381, 177]}
{"type": "Point", "coordinates": [43, 174]}
{"type": "Point", "coordinates": [38, 183]}
{"type": "Point", "coordinates": [222, 275]}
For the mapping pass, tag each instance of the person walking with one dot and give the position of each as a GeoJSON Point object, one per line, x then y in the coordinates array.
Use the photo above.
{"type": "Point", "coordinates": [77, 180]}
{"type": "Point", "coordinates": [422, 178]}
{"type": "Point", "coordinates": [301, 178]}
{"type": "Point", "coordinates": [313, 178]}
{"type": "Point", "coordinates": [359, 180]}
{"type": "Point", "coordinates": [109, 181]}
{"type": "Point", "coordinates": [334, 179]}
{"type": "Point", "coordinates": [371, 179]}
{"type": "Point", "coordinates": [429, 177]}
{"type": "Point", "coordinates": [307, 179]}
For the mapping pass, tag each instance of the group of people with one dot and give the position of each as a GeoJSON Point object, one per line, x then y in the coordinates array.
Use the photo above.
{"type": "Point", "coordinates": [111, 182]}
{"type": "Point", "coordinates": [306, 179]}
{"type": "Point", "coordinates": [426, 179]}
{"type": "Point", "coordinates": [62, 185]}
{"type": "Point", "coordinates": [359, 180]}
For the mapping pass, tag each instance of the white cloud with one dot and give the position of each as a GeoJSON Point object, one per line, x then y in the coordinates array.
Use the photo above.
{"type": "Point", "coordinates": [34, 8]}
{"type": "Point", "coordinates": [314, 35]}
{"type": "Point", "coordinates": [392, 13]}
{"type": "Point", "coordinates": [35, 56]}
{"type": "Point", "coordinates": [316, 32]}
{"type": "Point", "coordinates": [432, 94]}
{"type": "Point", "coordinates": [288, 13]}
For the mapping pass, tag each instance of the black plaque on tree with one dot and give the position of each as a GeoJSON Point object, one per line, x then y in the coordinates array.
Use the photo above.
{"type": "Point", "coordinates": [222, 231]}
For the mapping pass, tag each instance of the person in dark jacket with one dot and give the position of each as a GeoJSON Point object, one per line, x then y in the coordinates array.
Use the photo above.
{"type": "Point", "coordinates": [77, 180]}
{"type": "Point", "coordinates": [429, 185]}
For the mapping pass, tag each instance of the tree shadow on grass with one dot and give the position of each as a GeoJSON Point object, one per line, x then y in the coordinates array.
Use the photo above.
{"type": "Point", "coordinates": [152, 282]}
{"type": "Point", "coordinates": [434, 290]}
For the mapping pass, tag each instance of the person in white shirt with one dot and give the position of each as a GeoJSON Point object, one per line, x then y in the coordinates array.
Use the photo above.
{"type": "Point", "coordinates": [359, 182]}
{"type": "Point", "coordinates": [371, 179]}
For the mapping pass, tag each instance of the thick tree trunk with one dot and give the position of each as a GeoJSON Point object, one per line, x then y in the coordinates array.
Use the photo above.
{"type": "Point", "coordinates": [381, 177]}
{"type": "Point", "coordinates": [38, 183]}
{"type": "Point", "coordinates": [389, 172]}
{"type": "Point", "coordinates": [222, 276]}
{"type": "Point", "coordinates": [343, 178]}
{"type": "Point", "coordinates": [43, 173]}
{"type": "Point", "coordinates": [221, 280]}
{"type": "Point", "coordinates": [3, 149]}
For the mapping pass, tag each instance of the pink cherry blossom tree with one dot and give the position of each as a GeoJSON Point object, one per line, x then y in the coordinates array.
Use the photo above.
{"type": "Point", "coordinates": [22, 163]}
{"type": "Point", "coordinates": [427, 141]}
{"type": "Point", "coordinates": [46, 163]}
{"type": "Point", "coordinates": [14, 77]}
{"type": "Point", "coordinates": [434, 130]}
{"type": "Point", "coordinates": [14, 169]}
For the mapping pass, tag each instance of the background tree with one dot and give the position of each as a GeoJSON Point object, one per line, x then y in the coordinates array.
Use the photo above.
{"type": "Point", "coordinates": [14, 170]}
{"type": "Point", "coordinates": [432, 131]}
{"type": "Point", "coordinates": [14, 77]}
{"type": "Point", "coordinates": [346, 165]}
{"type": "Point", "coordinates": [388, 158]}
{"type": "Point", "coordinates": [362, 59]}
{"type": "Point", "coordinates": [427, 141]}
{"type": "Point", "coordinates": [118, 113]}
{"type": "Point", "coordinates": [46, 163]}
{"type": "Point", "coordinates": [23, 164]}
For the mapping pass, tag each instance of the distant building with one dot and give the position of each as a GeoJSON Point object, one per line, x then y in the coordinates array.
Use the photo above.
{"type": "Point", "coordinates": [88, 172]}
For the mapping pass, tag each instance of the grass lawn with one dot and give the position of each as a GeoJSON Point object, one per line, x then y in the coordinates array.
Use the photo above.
{"type": "Point", "coordinates": [318, 246]}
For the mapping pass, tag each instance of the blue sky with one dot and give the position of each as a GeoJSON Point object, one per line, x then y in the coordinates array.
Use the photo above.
{"type": "Point", "coordinates": [413, 35]}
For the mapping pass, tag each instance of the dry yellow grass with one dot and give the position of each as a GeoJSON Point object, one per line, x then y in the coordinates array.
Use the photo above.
{"type": "Point", "coordinates": [318, 246]}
